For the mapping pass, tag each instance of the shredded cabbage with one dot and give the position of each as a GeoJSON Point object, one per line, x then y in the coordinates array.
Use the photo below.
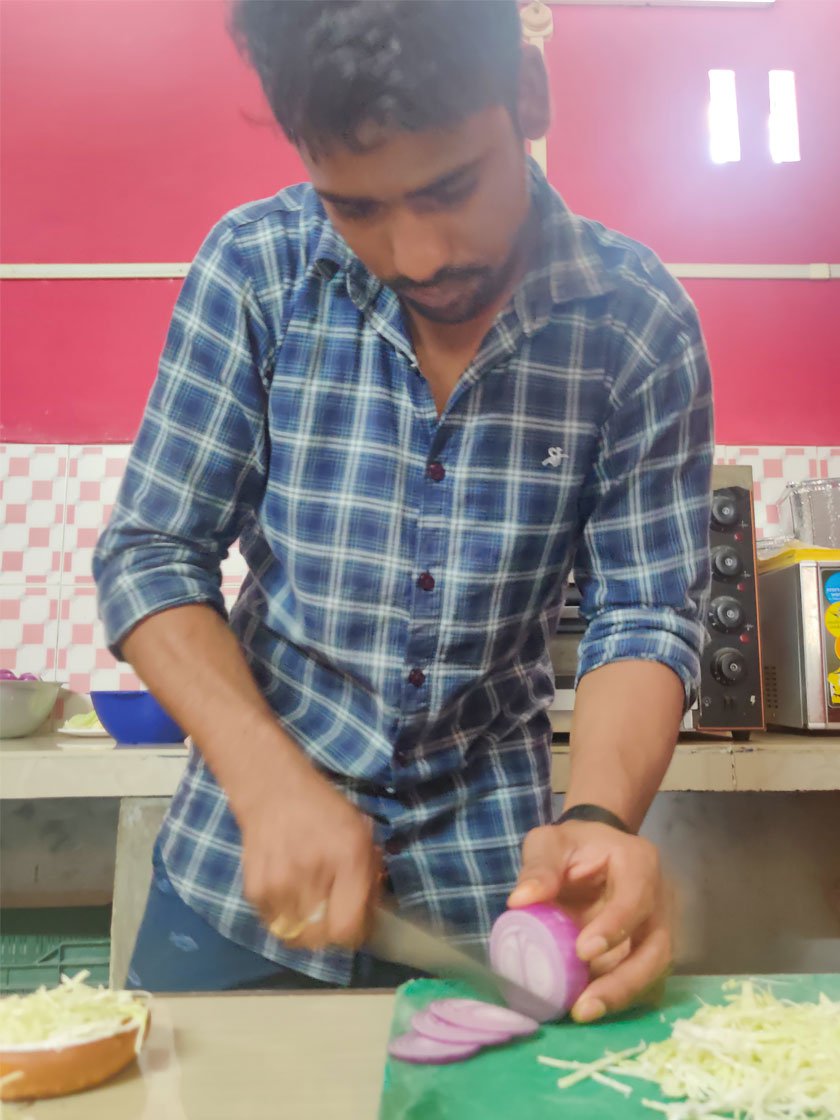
{"type": "Point", "coordinates": [74, 1012]}
{"type": "Point", "coordinates": [84, 721]}
{"type": "Point", "coordinates": [756, 1057]}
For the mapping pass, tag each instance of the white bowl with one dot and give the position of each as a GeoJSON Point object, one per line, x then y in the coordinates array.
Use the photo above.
{"type": "Point", "coordinates": [24, 705]}
{"type": "Point", "coordinates": [46, 1070]}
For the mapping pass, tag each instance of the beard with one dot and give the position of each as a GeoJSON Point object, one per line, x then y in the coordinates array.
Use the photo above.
{"type": "Point", "coordinates": [457, 295]}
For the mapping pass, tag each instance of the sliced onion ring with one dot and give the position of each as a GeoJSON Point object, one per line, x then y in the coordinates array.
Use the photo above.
{"type": "Point", "coordinates": [414, 1047]}
{"type": "Point", "coordinates": [472, 1014]}
{"type": "Point", "coordinates": [428, 1024]}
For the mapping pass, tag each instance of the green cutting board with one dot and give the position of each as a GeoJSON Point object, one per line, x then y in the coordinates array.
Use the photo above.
{"type": "Point", "coordinates": [508, 1082]}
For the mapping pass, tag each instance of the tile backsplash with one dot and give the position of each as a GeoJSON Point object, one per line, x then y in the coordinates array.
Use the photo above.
{"type": "Point", "coordinates": [55, 500]}
{"type": "Point", "coordinates": [33, 504]}
{"type": "Point", "coordinates": [773, 469]}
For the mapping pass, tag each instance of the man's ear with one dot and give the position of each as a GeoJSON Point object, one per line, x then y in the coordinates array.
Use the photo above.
{"type": "Point", "coordinates": [534, 99]}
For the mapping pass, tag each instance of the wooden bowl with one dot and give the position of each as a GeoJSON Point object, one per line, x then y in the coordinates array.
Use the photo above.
{"type": "Point", "coordinates": [54, 1072]}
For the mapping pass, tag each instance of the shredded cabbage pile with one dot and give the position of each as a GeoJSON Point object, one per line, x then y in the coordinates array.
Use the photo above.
{"type": "Point", "coordinates": [756, 1057]}
{"type": "Point", "coordinates": [84, 721]}
{"type": "Point", "coordinates": [71, 1013]}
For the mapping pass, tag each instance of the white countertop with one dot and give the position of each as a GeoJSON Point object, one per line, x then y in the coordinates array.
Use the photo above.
{"type": "Point", "coordinates": [56, 766]}
{"type": "Point", "coordinates": [771, 761]}
{"type": "Point", "coordinates": [255, 1056]}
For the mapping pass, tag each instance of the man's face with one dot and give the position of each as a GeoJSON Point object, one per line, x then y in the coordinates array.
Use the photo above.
{"type": "Point", "coordinates": [437, 216]}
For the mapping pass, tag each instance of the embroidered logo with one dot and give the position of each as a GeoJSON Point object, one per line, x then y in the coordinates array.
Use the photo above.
{"type": "Point", "coordinates": [556, 455]}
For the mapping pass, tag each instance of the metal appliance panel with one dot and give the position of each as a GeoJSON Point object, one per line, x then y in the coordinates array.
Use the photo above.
{"type": "Point", "coordinates": [731, 695]}
{"type": "Point", "coordinates": [800, 656]}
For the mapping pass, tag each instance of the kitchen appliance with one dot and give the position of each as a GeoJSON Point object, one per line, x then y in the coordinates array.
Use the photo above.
{"type": "Point", "coordinates": [810, 511]}
{"type": "Point", "coordinates": [800, 638]}
{"type": "Point", "coordinates": [730, 695]}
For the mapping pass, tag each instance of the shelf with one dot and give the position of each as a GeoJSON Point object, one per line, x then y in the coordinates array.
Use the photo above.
{"type": "Point", "coordinates": [769, 762]}
{"type": "Point", "coordinates": [38, 767]}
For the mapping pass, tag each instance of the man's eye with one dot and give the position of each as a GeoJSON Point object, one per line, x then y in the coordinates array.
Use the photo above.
{"type": "Point", "coordinates": [451, 195]}
{"type": "Point", "coordinates": [354, 211]}
{"type": "Point", "coordinates": [458, 191]}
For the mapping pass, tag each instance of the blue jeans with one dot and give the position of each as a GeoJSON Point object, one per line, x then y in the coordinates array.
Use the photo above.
{"type": "Point", "coordinates": [178, 951]}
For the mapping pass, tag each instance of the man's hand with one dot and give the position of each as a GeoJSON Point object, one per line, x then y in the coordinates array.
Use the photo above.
{"type": "Point", "coordinates": [611, 883]}
{"type": "Point", "coordinates": [310, 865]}
{"type": "Point", "coordinates": [306, 850]}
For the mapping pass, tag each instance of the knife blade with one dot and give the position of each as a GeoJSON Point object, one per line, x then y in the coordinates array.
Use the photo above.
{"type": "Point", "coordinates": [403, 942]}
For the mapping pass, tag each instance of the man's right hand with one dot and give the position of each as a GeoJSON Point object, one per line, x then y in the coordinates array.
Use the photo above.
{"type": "Point", "coordinates": [304, 844]}
{"type": "Point", "coordinates": [308, 852]}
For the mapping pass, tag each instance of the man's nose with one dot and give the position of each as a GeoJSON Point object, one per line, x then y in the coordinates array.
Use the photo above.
{"type": "Point", "coordinates": [419, 249]}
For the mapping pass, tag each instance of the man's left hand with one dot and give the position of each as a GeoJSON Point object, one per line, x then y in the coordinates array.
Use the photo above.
{"type": "Point", "coordinates": [611, 883]}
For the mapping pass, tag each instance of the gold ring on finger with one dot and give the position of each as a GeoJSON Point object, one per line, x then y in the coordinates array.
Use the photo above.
{"type": "Point", "coordinates": [280, 926]}
{"type": "Point", "coordinates": [285, 930]}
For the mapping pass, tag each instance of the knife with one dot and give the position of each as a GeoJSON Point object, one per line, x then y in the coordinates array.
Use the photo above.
{"type": "Point", "coordinates": [396, 939]}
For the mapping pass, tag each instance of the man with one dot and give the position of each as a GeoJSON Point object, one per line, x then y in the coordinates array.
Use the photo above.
{"type": "Point", "coordinates": [415, 390]}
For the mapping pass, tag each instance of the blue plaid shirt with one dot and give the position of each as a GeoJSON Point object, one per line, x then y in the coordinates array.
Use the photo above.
{"type": "Point", "coordinates": [406, 570]}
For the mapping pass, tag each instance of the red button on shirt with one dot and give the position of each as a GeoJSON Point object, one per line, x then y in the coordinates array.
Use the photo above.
{"type": "Point", "coordinates": [416, 677]}
{"type": "Point", "coordinates": [426, 581]}
{"type": "Point", "coordinates": [435, 471]}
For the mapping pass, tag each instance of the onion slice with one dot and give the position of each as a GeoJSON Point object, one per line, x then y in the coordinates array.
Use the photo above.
{"type": "Point", "coordinates": [414, 1047]}
{"type": "Point", "coordinates": [473, 1015]}
{"type": "Point", "coordinates": [428, 1024]}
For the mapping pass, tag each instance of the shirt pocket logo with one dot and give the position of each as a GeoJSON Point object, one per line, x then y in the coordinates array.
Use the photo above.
{"type": "Point", "coordinates": [555, 457]}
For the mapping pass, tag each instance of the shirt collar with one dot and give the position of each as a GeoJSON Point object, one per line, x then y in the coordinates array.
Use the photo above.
{"type": "Point", "coordinates": [332, 256]}
{"type": "Point", "coordinates": [331, 252]}
{"type": "Point", "coordinates": [567, 265]}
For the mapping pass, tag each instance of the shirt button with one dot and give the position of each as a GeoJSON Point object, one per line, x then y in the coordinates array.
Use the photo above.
{"type": "Point", "coordinates": [416, 677]}
{"type": "Point", "coordinates": [394, 846]}
{"type": "Point", "coordinates": [435, 472]}
{"type": "Point", "coordinates": [426, 581]}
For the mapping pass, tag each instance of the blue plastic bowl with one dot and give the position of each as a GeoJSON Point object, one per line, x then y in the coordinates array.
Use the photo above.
{"type": "Point", "coordinates": [135, 717]}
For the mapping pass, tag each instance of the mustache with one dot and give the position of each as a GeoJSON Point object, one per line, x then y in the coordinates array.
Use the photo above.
{"type": "Point", "coordinates": [445, 276]}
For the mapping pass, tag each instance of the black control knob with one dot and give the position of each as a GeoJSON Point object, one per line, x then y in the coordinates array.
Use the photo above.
{"type": "Point", "coordinates": [726, 613]}
{"type": "Point", "coordinates": [725, 512]}
{"type": "Point", "coordinates": [726, 563]}
{"type": "Point", "coordinates": [729, 667]}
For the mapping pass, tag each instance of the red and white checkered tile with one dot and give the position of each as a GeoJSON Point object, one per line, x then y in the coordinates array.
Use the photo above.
{"type": "Point", "coordinates": [55, 500]}
{"type": "Point", "coordinates": [829, 462]}
{"type": "Point", "coordinates": [33, 484]}
{"type": "Point", "coordinates": [83, 659]}
{"type": "Point", "coordinates": [94, 477]}
{"type": "Point", "coordinates": [773, 469]}
{"type": "Point", "coordinates": [95, 474]}
{"type": "Point", "coordinates": [29, 629]}
{"type": "Point", "coordinates": [230, 590]}
{"type": "Point", "coordinates": [234, 568]}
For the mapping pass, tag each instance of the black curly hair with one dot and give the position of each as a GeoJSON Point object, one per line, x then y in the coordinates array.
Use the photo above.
{"type": "Point", "coordinates": [330, 67]}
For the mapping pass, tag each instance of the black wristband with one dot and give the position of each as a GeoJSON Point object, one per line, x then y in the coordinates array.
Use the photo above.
{"type": "Point", "coordinates": [594, 813]}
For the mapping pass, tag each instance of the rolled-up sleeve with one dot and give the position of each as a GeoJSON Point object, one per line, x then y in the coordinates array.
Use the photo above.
{"type": "Point", "coordinates": [643, 562]}
{"type": "Point", "coordinates": [197, 468]}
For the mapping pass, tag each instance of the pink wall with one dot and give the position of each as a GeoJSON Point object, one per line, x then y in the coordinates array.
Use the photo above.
{"type": "Point", "coordinates": [629, 146]}
{"type": "Point", "coordinates": [129, 127]}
